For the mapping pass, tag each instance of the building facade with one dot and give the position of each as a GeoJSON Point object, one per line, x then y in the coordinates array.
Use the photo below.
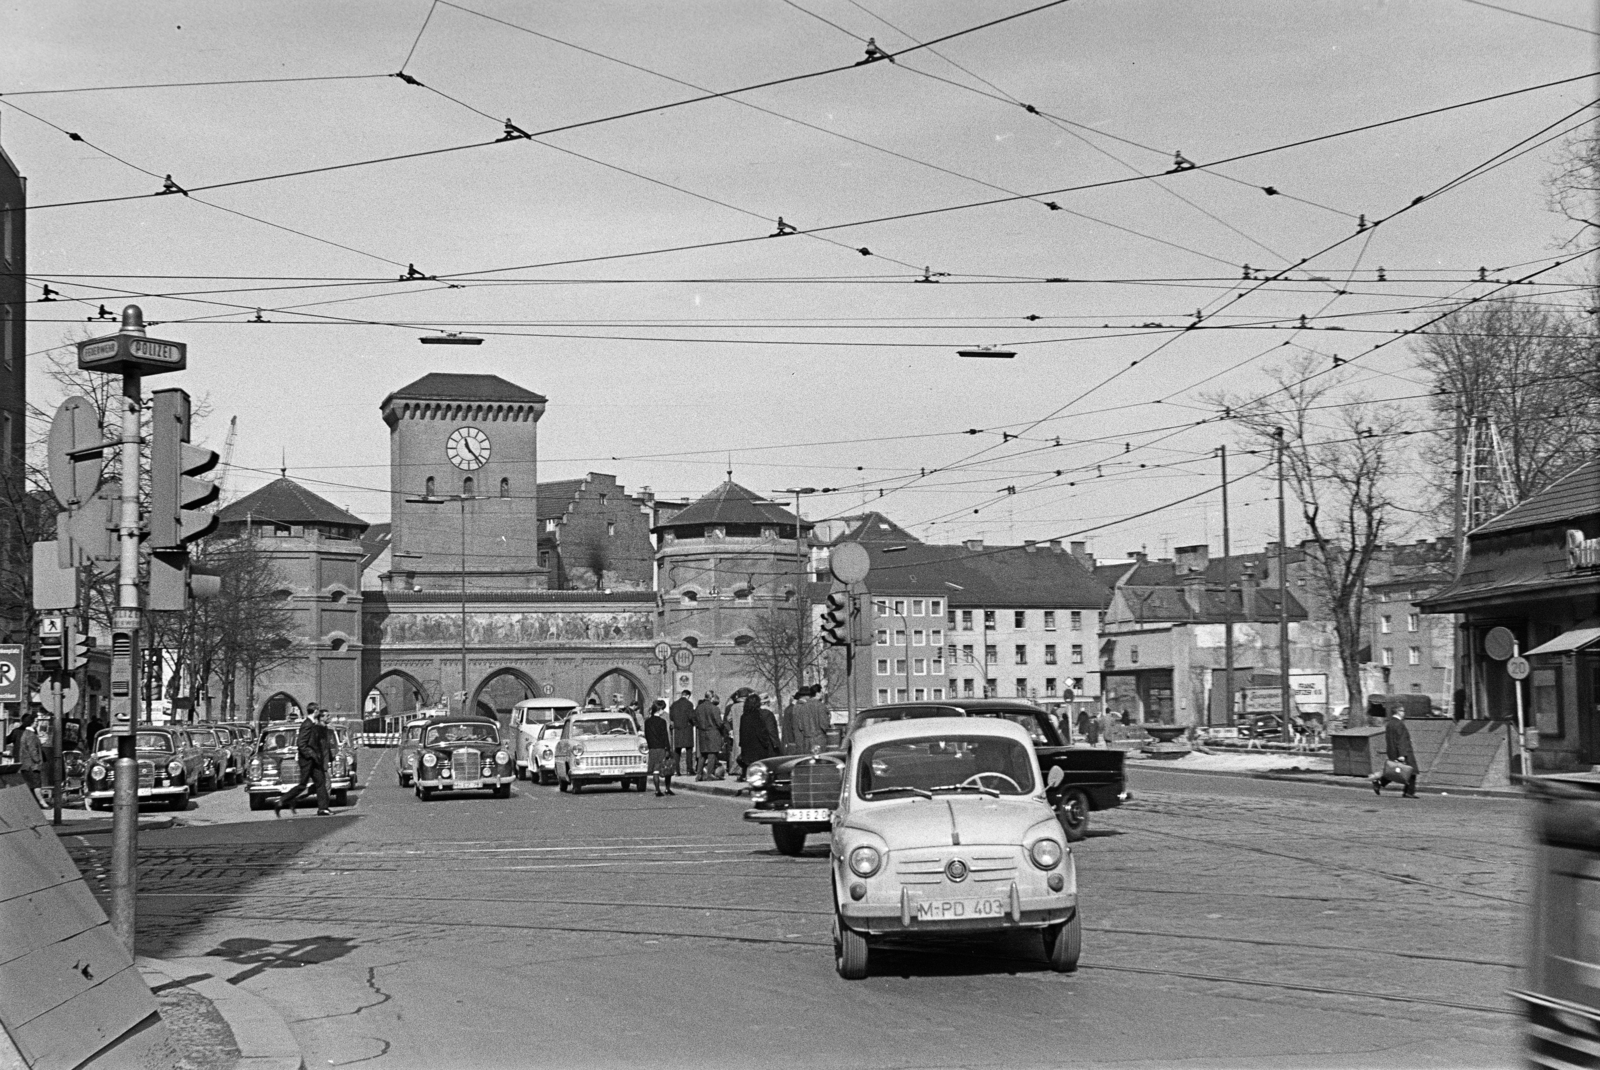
{"type": "Point", "coordinates": [14, 528]}
{"type": "Point", "coordinates": [594, 535]}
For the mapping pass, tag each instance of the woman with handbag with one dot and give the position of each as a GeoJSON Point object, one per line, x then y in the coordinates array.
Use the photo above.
{"type": "Point", "coordinates": [1401, 766]}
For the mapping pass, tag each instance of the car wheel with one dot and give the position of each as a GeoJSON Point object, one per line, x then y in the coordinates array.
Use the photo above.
{"type": "Point", "coordinates": [850, 951]}
{"type": "Point", "coordinates": [1063, 943]}
{"type": "Point", "coordinates": [341, 798]}
{"type": "Point", "coordinates": [547, 778]}
{"type": "Point", "coordinates": [561, 785]}
{"type": "Point", "coordinates": [790, 841]}
{"type": "Point", "coordinates": [179, 802]}
{"type": "Point", "coordinates": [502, 791]}
{"type": "Point", "coordinates": [522, 772]}
{"type": "Point", "coordinates": [401, 777]}
{"type": "Point", "coordinates": [258, 802]}
{"type": "Point", "coordinates": [1073, 813]}
{"type": "Point", "coordinates": [425, 794]}
{"type": "Point", "coordinates": [624, 783]}
{"type": "Point", "coordinates": [575, 787]}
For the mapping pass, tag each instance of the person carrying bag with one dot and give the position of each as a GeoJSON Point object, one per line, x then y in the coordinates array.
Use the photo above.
{"type": "Point", "coordinates": [1400, 765]}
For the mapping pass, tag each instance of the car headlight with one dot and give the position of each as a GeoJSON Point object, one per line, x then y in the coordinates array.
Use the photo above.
{"type": "Point", "coordinates": [1046, 854]}
{"type": "Point", "coordinates": [864, 861]}
{"type": "Point", "coordinates": [255, 767]}
{"type": "Point", "coordinates": [544, 753]}
{"type": "Point", "coordinates": [577, 750]}
{"type": "Point", "coordinates": [643, 748]}
{"type": "Point", "coordinates": [756, 775]}
{"type": "Point", "coordinates": [430, 759]}
{"type": "Point", "coordinates": [501, 757]}
{"type": "Point", "coordinates": [174, 768]}
{"type": "Point", "coordinates": [97, 772]}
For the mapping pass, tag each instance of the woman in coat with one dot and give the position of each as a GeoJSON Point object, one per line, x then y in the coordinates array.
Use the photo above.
{"type": "Point", "coordinates": [757, 737]}
{"type": "Point", "coordinates": [708, 735]}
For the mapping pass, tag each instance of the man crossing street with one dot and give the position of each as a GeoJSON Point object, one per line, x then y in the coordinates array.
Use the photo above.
{"type": "Point", "coordinates": [315, 747]}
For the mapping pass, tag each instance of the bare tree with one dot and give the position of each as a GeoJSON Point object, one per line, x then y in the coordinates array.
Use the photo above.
{"type": "Point", "coordinates": [769, 655]}
{"type": "Point", "coordinates": [1341, 458]}
{"type": "Point", "coordinates": [1574, 185]}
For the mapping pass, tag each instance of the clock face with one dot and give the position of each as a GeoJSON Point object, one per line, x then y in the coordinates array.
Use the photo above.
{"type": "Point", "coordinates": [467, 448]}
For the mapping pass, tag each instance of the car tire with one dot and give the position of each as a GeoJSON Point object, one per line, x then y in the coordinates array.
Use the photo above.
{"type": "Point", "coordinates": [502, 791]}
{"type": "Point", "coordinates": [575, 787]}
{"type": "Point", "coordinates": [425, 794]}
{"type": "Point", "coordinates": [341, 798]}
{"type": "Point", "coordinates": [547, 778]}
{"type": "Point", "coordinates": [1063, 943]}
{"type": "Point", "coordinates": [258, 802]}
{"type": "Point", "coordinates": [1073, 813]}
{"type": "Point", "coordinates": [789, 840]}
{"type": "Point", "coordinates": [401, 778]}
{"type": "Point", "coordinates": [561, 785]}
{"type": "Point", "coordinates": [624, 783]}
{"type": "Point", "coordinates": [850, 951]}
{"type": "Point", "coordinates": [179, 802]}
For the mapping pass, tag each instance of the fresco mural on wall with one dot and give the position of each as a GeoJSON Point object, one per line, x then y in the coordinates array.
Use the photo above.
{"type": "Point", "coordinates": [509, 629]}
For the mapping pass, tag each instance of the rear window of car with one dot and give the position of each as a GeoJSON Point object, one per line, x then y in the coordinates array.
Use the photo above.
{"type": "Point", "coordinates": [280, 738]}
{"type": "Point", "coordinates": [1029, 721]}
{"type": "Point", "coordinates": [202, 738]}
{"type": "Point", "coordinates": [905, 713]}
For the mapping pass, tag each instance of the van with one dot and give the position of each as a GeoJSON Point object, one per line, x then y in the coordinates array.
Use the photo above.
{"type": "Point", "coordinates": [527, 717]}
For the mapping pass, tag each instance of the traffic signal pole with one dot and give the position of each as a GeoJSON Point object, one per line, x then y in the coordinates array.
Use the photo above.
{"type": "Point", "coordinates": [125, 813]}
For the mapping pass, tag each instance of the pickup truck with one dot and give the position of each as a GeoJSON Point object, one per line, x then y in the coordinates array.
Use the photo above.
{"type": "Point", "coordinates": [795, 794]}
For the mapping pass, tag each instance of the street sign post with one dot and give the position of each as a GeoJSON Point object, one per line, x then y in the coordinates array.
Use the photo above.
{"type": "Point", "coordinates": [1518, 668]}
{"type": "Point", "coordinates": [129, 351]}
{"type": "Point", "coordinates": [75, 428]}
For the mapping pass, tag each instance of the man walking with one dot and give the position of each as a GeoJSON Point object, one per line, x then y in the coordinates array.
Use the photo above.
{"type": "Point", "coordinates": [810, 721]}
{"type": "Point", "coordinates": [682, 717]}
{"type": "Point", "coordinates": [315, 753]}
{"type": "Point", "coordinates": [708, 733]}
{"type": "Point", "coordinates": [758, 732]}
{"type": "Point", "coordinates": [1397, 746]}
{"type": "Point", "coordinates": [30, 755]}
{"type": "Point", "coordinates": [658, 742]}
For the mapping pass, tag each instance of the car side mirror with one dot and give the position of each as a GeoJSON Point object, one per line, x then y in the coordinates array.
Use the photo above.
{"type": "Point", "coordinates": [1055, 777]}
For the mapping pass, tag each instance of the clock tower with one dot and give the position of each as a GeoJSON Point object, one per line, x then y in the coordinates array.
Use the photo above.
{"type": "Point", "coordinates": [463, 484]}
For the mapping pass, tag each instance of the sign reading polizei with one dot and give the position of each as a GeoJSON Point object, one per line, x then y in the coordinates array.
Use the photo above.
{"type": "Point", "coordinates": [132, 352]}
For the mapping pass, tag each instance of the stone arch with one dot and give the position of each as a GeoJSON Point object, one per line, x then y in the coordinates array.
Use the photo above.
{"type": "Point", "coordinates": [491, 708]}
{"type": "Point", "coordinates": [388, 719]}
{"type": "Point", "coordinates": [279, 706]}
{"type": "Point", "coordinates": [607, 683]}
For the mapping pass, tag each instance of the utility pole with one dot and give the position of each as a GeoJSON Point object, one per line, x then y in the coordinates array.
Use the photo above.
{"type": "Point", "coordinates": [125, 625]}
{"type": "Point", "coordinates": [1458, 549]}
{"type": "Point", "coordinates": [1227, 596]}
{"type": "Point", "coordinates": [1283, 591]}
{"type": "Point", "coordinates": [801, 606]}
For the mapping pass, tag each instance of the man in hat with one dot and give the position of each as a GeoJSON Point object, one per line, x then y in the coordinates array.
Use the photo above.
{"type": "Point", "coordinates": [681, 717]}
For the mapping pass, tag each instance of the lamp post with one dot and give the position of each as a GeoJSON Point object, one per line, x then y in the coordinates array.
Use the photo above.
{"type": "Point", "coordinates": [800, 598]}
{"type": "Point", "coordinates": [463, 499]}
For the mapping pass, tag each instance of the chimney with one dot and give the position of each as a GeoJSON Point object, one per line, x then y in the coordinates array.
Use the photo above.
{"type": "Point", "coordinates": [1138, 555]}
{"type": "Point", "coordinates": [1247, 593]}
{"type": "Point", "coordinates": [1030, 545]}
{"type": "Point", "coordinates": [1080, 550]}
{"type": "Point", "coordinates": [973, 544]}
{"type": "Point", "coordinates": [1055, 546]}
{"type": "Point", "coordinates": [1192, 560]}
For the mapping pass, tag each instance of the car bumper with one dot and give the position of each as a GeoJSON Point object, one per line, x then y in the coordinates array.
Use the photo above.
{"type": "Point", "coordinates": [165, 792]}
{"type": "Point", "coordinates": [1018, 911]}
{"type": "Point", "coordinates": [466, 785]}
{"type": "Point", "coordinates": [278, 787]}
{"type": "Point", "coordinates": [816, 819]}
{"type": "Point", "coordinates": [611, 772]}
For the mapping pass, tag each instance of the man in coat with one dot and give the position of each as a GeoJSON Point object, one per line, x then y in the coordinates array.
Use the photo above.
{"type": "Point", "coordinates": [30, 755]}
{"type": "Point", "coordinates": [682, 717]}
{"type": "Point", "coordinates": [1397, 746]}
{"type": "Point", "coordinates": [315, 747]}
{"type": "Point", "coordinates": [708, 735]}
{"type": "Point", "coordinates": [811, 721]}
{"type": "Point", "coordinates": [658, 742]}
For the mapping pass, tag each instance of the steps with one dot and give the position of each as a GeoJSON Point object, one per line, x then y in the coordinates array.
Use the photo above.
{"type": "Point", "coordinates": [1469, 754]}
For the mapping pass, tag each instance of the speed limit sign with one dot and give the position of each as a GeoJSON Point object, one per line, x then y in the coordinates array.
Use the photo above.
{"type": "Point", "coordinates": [1518, 668]}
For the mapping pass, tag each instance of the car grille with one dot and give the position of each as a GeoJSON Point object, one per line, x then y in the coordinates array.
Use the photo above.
{"type": "Point", "coordinates": [815, 785]}
{"type": "Point", "coordinates": [466, 764]}
{"type": "Point", "coordinates": [288, 769]}
{"type": "Point", "coordinates": [147, 774]}
{"type": "Point", "coordinates": [927, 867]}
{"type": "Point", "coordinates": [604, 761]}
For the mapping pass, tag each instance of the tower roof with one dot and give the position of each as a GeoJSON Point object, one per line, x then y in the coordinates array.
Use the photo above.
{"type": "Point", "coordinates": [455, 386]}
{"type": "Point", "coordinates": [284, 501]}
{"type": "Point", "coordinates": [730, 503]}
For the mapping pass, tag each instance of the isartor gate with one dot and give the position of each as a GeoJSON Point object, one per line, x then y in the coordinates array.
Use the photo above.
{"type": "Point", "coordinates": [564, 644]}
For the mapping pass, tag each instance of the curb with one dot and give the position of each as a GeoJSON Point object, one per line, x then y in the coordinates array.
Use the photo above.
{"type": "Point", "coordinates": [95, 828]}
{"type": "Point", "coordinates": [264, 1039]}
{"type": "Point", "coordinates": [1329, 780]}
{"type": "Point", "coordinates": [728, 789]}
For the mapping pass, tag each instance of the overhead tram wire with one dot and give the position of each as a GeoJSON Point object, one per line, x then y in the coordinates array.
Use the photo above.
{"type": "Point", "coordinates": [191, 85]}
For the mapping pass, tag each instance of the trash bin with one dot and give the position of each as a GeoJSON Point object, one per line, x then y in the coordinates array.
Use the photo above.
{"type": "Point", "coordinates": [1357, 751]}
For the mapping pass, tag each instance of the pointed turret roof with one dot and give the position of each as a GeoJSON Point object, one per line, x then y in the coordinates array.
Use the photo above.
{"type": "Point", "coordinates": [284, 501]}
{"type": "Point", "coordinates": [730, 503]}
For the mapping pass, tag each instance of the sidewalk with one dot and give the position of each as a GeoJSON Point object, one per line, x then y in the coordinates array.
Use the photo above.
{"type": "Point", "coordinates": [213, 1025]}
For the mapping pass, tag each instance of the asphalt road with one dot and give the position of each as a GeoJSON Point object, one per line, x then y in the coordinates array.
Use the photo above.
{"type": "Point", "coordinates": [1228, 923]}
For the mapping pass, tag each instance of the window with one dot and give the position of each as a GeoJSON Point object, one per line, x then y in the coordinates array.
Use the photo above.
{"type": "Point", "coordinates": [950, 652]}
{"type": "Point", "coordinates": [427, 492]}
{"type": "Point", "coordinates": [936, 607]}
{"type": "Point", "coordinates": [1385, 624]}
{"type": "Point", "coordinates": [1021, 651]}
{"type": "Point", "coordinates": [899, 637]}
{"type": "Point", "coordinates": [916, 607]}
{"type": "Point", "coordinates": [988, 618]}
{"type": "Point", "coordinates": [883, 696]}
{"type": "Point", "coordinates": [937, 668]}
{"type": "Point", "coordinates": [1133, 654]}
{"type": "Point", "coordinates": [1077, 653]}
{"type": "Point", "coordinates": [544, 558]}
{"type": "Point", "coordinates": [900, 694]}
{"type": "Point", "coordinates": [967, 657]}
{"type": "Point", "coordinates": [505, 488]}
{"type": "Point", "coordinates": [1049, 620]}
{"type": "Point", "coordinates": [881, 608]}
{"type": "Point", "coordinates": [1383, 596]}
{"type": "Point", "coordinates": [938, 694]}
{"type": "Point", "coordinates": [883, 666]}
{"type": "Point", "coordinates": [1413, 621]}
{"type": "Point", "coordinates": [900, 607]}
{"type": "Point", "coordinates": [1414, 656]}
{"type": "Point", "coordinates": [1050, 685]}
{"type": "Point", "coordinates": [1388, 656]}
{"type": "Point", "coordinates": [468, 487]}
{"type": "Point", "coordinates": [1022, 687]}
{"type": "Point", "coordinates": [991, 655]}
{"type": "Point", "coordinates": [883, 637]}
{"type": "Point", "coordinates": [1100, 620]}
{"type": "Point", "coordinates": [899, 666]}
{"type": "Point", "coordinates": [603, 495]}
{"type": "Point", "coordinates": [690, 596]}
{"type": "Point", "coordinates": [919, 637]}
{"type": "Point", "coordinates": [1049, 653]}
{"type": "Point", "coordinates": [1416, 687]}
{"type": "Point", "coordinates": [921, 694]}
{"type": "Point", "coordinates": [966, 688]}
{"type": "Point", "coordinates": [549, 525]}
{"type": "Point", "coordinates": [966, 620]}
{"type": "Point", "coordinates": [1019, 618]}
{"type": "Point", "coordinates": [611, 525]}
{"type": "Point", "coordinates": [1077, 684]}
{"type": "Point", "coordinates": [919, 667]}
{"type": "Point", "coordinates": [936, 637]}
{"type": "Point", "coordinates": [1077, 620]}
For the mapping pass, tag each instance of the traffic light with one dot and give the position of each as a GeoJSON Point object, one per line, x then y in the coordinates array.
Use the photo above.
{"type": "Point", "coordinates": [51, 646]}
{"type": "Point", "coordinates": [179, 505]}
{"type": "Point", "coordinates": [836, 620]}
{"type": "Point", "coordinates": [75, 649]}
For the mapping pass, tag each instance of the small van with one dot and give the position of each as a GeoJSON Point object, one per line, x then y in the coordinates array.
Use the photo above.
{"type": "Point", "coordinates": [527, 717]}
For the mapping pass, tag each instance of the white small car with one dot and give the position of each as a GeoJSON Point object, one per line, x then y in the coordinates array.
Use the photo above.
{"type": "Point", "coordinates": [943, 826]}
{"type": "Point", "coordinates": [529, 719]}
{"type": "Point", "coordinates": [599, 747]}
{"type": "Point", "coordinates": [542, 753]}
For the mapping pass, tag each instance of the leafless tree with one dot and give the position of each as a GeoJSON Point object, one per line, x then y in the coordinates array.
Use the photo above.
{"type": "Point", "coordinates": [1342, 454]}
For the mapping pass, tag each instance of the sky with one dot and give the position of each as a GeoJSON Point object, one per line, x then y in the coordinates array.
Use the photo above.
{"type": "Point", "coordinates": [1009, 185]}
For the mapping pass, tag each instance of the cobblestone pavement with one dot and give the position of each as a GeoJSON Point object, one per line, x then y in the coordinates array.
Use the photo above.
{"type": "Point", "coordinates": [1228, 922]}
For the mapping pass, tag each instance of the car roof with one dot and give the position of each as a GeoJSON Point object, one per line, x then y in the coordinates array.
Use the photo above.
{"type": "Point", "coordinates": [544, 702]}
{"type": "Point", "coordinates": [595, 715]}
{"type": "Point", "coordinates": [968, 706]}
{"type": "Point", "coordinates": [460, 718]}
{"type": "Point", "coordinates": [920, 727]}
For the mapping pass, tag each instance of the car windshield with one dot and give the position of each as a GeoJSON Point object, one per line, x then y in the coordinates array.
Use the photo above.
{"type": "Point", "coordinates": [144, 741]}
{"type": "Point", "coordinates": [603, 726]}
{"type": "Point", "coordinates": [550, 730]}
{"type": "Point", "coordinates": [1030, 721]}
{"type": "Point", "coordinates": [413, 732]}
{"type": "Point", "coordinates": [202, 737]}
{"type": "Point", "coordinates": [339, 732]}
{"type": "Point", "coordinates": [465, 732]}
{"type": "Point", "coordinates": [279, 738]}
{"type": "Point", "coordinates": [930, 764]}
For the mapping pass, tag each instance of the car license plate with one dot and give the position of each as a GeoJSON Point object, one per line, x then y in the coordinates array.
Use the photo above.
{"type": "Point", "coordinates": [469, 784]}
{"type": "Point", "coordinates": [807, 815]}
{"type": "Point", "coordinates": [952, 909]}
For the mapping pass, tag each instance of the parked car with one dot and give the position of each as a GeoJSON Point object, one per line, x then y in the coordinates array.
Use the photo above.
{"type": "Point", "coordinates": [795, 794]}
{"type": "Point", "coordinates": [943, 826]}
{"type": "Point", "coordinates": [410, 748]}
{"type": "Point", "coordinates": [214, 756]}
{"type": "Point", "coordinates": [529, 720]}
{"type": "Point", "coordinates": [347, 750]}
{"type": "Point", "coordinates": [600, 747]}
{"type": "Point", "coordinates": [275, 767]}
{"type": "Point", "coordinates": [463, 752]}
{"type": "Point", "coordinates": [169, 768]}
{"type": "Point", "coordinates": [240, 744]}
{"type": "Point", "coordinates": [542, 752]}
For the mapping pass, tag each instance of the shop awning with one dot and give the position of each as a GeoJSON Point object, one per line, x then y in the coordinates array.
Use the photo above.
{"type": "Point", "coordinates": [1567, 642]}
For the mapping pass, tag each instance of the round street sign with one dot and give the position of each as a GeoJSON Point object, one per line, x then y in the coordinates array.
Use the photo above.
{"type": "Point", "coordinates": [663, 651]}
{"type": "Point", "coordinates": [849, 562]}
{"type": "Point", "coordinates": [683, 657]}
{"type": "Point", "coordinates": [69, 696]}
{"type": "Point", "coordinates": [548, 689]}
{"type": "Point", "coordinates": [1518, 668]}
{"type": "Point", "coordinates": [1500, 643]}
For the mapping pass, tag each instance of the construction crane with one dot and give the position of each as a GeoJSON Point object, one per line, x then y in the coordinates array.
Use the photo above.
{"type": "Point", "coordinates": [227, 461]}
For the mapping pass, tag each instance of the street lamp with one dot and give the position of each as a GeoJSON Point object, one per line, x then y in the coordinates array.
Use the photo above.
{"type": "Point", "coordinates": [801, 601]}
{"type": "Point", "coordinates": [463, 499]}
